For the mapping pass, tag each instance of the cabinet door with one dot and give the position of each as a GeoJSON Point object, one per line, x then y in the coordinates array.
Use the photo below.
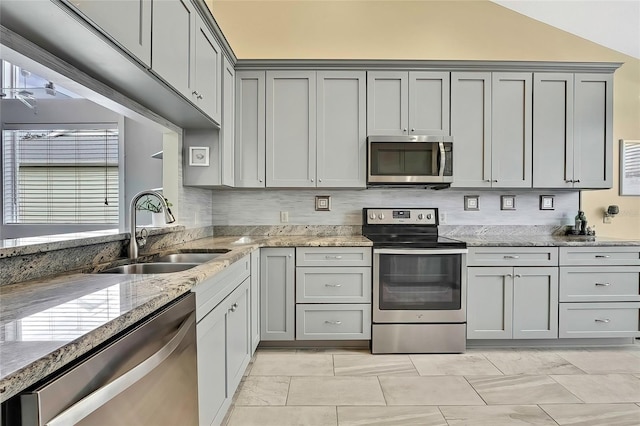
{"type": "Point", "coordinates": [511, 102]}
{"type": "Point", "coordinates": [206, 90]}
{"type": "Point", "coordinates": [228, 123]}
{"type": "Point", "coordinates": [250, 129]}
{"type": "Point", "coordinates": [255, 300]}
{"type": "Point", "coordinates": [212, 383]}
{"type": "Point", "coordinates": [341, 132]}
{"type": "Point", "coordinates": [553, 130]}
{"type": "Point", "coordinates": [387, 103]}
{"type": "Point", "coordinates": [171, 45]}
{"type": "Point", "coordinates": [593, 146]}
{"type": "Point", "coordinates": [471, 129]}
{"type": "Point", "coordinates": [238, 334]}
{"type": "Point", "coordinates": [489, 303]}
{"type": "Point", "coordinates": [277, 321]}
{"type": "Point", "coordinates": [429, 103]}
{"type": "Point", "coordinates": [128, 22]}
{"type": "Point", "coordinates": [535, 303]}
{"type": "Point", "coordinates": [291, 129]}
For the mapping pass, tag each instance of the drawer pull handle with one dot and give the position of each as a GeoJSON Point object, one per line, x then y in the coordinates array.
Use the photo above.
{"type": "Point", "coordinates": [333, 285]}
{"type": "Point", "coordinates": [234, 307]}
{"type": "Point", "coordinates": [512, 257]}
{"type": "Point", "coordinates": [333, 322]}
{"type": "Point", "coordinates": [603, 320]}
{"type": "Point", "coordinates": [603, 284]}
{"type": "Point", "coordinates": [602, 256]}
{"type": "Point", "coordinates": [333, 257]}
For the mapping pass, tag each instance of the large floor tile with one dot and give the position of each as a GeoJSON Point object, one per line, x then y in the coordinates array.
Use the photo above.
{"type": "Point", "coordinates": [594, 414]}
{"type": "Point", "coordinates": [496, 415]}
{"type": "Point", "coordinates": [335, 391]}
{"type": "Point", "coordinates": [429, 390]}
{"type": "Point", "coordinates": [373, 365]}
{"type": "Point", "coordinates": [287, 364]}
{"type": "Point", "coordinates": [531, 362]}
{"type": "Point", "coordinates": [263, 390]}
{"type": "Point", "coordinates": [283, 416]}
{"type": "Point", "coordinates": [342, 351]}
{"type": "Point", "coordinates": [389, 416]}
{"type": "Point", "coordinates": [603, 361]}
{"type": "Point", "coordinates": [602, 388]}
{"type": "Point", "coordinates": [454, 365]}
{"type": "Point", "coordinates": [521, 390]}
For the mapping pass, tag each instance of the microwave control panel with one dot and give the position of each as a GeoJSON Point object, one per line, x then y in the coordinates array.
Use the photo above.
{"type": "Point", "coordinates": [402, 216]}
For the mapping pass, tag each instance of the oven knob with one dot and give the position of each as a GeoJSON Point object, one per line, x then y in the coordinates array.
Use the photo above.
{"type": "Point", "coordinates": [429, 216]}
{"type": "Point", "coordinates": [380, 216]}
{"type": "Point", "coordinates": [420, 216]}
{"type": "Point", "coordinates": [372, 216]}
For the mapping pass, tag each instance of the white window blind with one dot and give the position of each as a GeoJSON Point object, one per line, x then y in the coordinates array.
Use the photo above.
{"type": "Point", "coordinates": [60, 176]}
{"type": "Point", "coordinates": [632, 160]}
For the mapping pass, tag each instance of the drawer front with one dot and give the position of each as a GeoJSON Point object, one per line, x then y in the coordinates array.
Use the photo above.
{"type": "Point", "coordinates": [333, 256]}
{"type": "Point", "coordinates": [333, 322]}
{"type": "Point", "coordinates": [593, 256]}
{"type": "Point", "coordinates": [599, 320]}
{"type": "Point", "coordinates": [600, 284]}
{"type": "Point", "coordinates": [333, 285]}
{"type": "Point", "coordinates": [512, 256]}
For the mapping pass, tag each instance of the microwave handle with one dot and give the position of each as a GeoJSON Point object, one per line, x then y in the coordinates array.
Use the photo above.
{"type": "Point", "coordinates": [443, 159]}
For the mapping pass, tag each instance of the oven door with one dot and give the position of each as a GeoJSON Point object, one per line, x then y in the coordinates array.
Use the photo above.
{"type": "Point", "coordinates": [419, 285]}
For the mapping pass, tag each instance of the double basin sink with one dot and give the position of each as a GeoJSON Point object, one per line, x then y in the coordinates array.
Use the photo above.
{"type": "Point", "coordinates": [174, 262]}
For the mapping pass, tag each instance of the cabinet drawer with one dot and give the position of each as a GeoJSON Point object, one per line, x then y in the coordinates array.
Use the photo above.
{"type": "Point", "coordinates": [333, 285]}
{"type": "Point", "coordinates": [592, 256]}
{"type": "Point", "coordinates": [599, 319]}
{"type": "Point", "coordinates": [333, 256]}
{"type": "Point", "coordinates": [512, 256]}
{"type": "Point", "coordinates": [600, 284]}
{"type": "Point", "coordinates": [333, 322]}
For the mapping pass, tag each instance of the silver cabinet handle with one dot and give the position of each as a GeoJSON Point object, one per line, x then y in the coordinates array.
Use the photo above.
{"type": "Point", "coordinates": [509, 275]}
{"type": "Point", "coordinates": [100, 397]}
{"type": "Point", "coordinates": [511, 256]}
{"type": "Point", "coordinates": [605, 320]}
{"type": "Point", "coordinates": [259, 180]}
{"type": "Point", "coordinates": [333, 285]}
{"type": "Point", "coordinates": [333, 257]}
{"type": "Point", "coordinates": [603, 284]}
{"type": "Point", "coordinates": [518, 276]}
{"type": "Point", "coordinates": [311, 180]}
{"type": "Point", "coordinates": [404, 130]}
{"type": "Point", "coordinates": [569, 180]}
{"type": "Point", "coordinates": [234, 307]}
{"type": "Point", "coordinates": [290, 255]}
{"type": "Point", "coordinates": [319, 180]}
{"type": "Point", "coordinates": [413, 130]}
{"type": "Point", "coordinates": [487, 180]}
{"type": "Point", "coordinates": [495, 180]}
{"type": "Point", "coordinates": [195, 93]}
{"type": "Point", "coordinates": [333, 322]}
{"type": "Point", "coordinates": [576, 181]}
{"type": "Point", "coordinates": [602, 256]}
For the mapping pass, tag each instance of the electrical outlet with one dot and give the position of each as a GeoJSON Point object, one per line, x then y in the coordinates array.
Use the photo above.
{"type": "Point", "coordinates": [606, 219]}
{"type": "Point", "coordinates": [284, 217]}
{"type": "Point", "coordinates": [442, 218]}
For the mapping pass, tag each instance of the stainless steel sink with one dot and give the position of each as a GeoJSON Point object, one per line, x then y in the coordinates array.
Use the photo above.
{"type": "Point", "coordinates": [150, 268]}
{"type": "Point", "coordinates": [187, 257]}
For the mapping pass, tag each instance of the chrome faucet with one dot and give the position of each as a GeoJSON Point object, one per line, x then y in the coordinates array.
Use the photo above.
{"type": "Point", "coordinates": [133, 241]}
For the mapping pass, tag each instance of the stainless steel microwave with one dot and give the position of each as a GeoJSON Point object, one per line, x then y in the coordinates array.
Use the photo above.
{"type": "Point", "coordinates": [407, 160]}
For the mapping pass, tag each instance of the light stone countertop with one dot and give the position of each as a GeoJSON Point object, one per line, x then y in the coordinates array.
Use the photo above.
{"type": "Point", "coordinates": [489, 240]}
{"type": "Point", "coordinates": [105, 305]}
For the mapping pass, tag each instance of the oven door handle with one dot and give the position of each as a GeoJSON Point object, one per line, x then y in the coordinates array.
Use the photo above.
{"type": "Point", "coordinates": [420, 251]}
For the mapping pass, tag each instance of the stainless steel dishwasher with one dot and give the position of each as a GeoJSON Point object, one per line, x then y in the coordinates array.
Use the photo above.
{"type": "Point", "coordinates": [148, 376]}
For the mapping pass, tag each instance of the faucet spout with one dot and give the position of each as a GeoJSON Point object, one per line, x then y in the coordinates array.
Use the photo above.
{"type": "Point", "coordinates": [168, 216]}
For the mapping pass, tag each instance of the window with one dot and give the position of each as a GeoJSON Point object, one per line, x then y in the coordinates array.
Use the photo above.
{"type": "Point", "coordinates": [629, 167]}
{"type": "Point", "coordinates": [67, 175]}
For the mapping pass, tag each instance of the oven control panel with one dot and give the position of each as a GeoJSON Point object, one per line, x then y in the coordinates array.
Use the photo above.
{"type": "Point", "coordinates": [401, 216]}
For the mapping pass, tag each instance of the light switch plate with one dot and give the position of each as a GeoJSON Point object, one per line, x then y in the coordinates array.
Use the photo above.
{"type": "Point", "coordinates": [323, 203]}
{"type": "Point", "coordinates": [471, 202]}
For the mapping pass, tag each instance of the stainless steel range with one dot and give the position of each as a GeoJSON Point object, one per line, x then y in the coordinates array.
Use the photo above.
{"type": "Point", "coordinates": [419, 283]}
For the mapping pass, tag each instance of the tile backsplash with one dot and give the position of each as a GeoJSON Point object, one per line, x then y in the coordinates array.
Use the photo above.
{"type": "Point", "coordinates": [263, 207]}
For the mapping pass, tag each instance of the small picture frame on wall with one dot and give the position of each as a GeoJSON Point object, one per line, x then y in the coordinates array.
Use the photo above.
{"type": "Point", "coordinates": [507, 202]}
{"type": "Point", "coordinates": [546, 202]}
{"type": "Point", "coordinates": [199, 156]}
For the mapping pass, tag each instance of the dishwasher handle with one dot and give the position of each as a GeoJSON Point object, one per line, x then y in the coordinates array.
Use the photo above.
{"type": "Point", "coordinates": [100, 397]}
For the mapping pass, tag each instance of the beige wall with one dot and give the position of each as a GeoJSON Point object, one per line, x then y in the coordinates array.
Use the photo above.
{"type": "Point", "coordinates": [466, 30]}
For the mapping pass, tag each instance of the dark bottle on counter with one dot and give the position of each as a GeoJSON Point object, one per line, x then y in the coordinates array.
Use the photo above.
{"type": "Point", "coordinates": [583, 228]}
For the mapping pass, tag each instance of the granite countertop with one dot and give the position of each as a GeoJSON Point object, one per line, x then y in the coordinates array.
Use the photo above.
{"type": "Point", "coordinates": [34, 341]}
{"type": "Point", "coordinates": [541, 241]}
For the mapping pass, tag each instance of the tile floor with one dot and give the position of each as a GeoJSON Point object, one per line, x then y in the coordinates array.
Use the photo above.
{"type": "Point", "coordinates": [583, 386]}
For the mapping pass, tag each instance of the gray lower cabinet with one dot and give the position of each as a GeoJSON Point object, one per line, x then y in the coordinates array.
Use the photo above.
{"type": "Point", "coordinates": [491, 125]}
{"type": "Point", "coordinates": [512, 302]}
{"type": "Point", "coordinates": [333, 322]}
{"type": "Point", "coordinates": [127, 22]}
{"type": "Point", "coordinates": [250, 129]}
{"type": "Point", "coordinates": [277, 314]}
{"type": "Point", "coordinates": [572, 130]}
{"type": "Point", "coordinates": [255, 300]}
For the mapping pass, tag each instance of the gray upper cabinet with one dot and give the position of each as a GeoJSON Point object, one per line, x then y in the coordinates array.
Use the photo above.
{"type": "Point", "coordinates": [250, 129]}
{"type": "Point", "coordinates": [206, 90]}
{"type": "Point", "coordinates": [341, 129]}
{"type": "Point", "coordinates": [407, 103]}
{"type": "Point", "coordinates": [572, 133]}
{"type": "Point", "coordinates": [127, 22]}
{"type": "Point", "coordinates": [228, 129]}
{"type": "Point", "coordinates": [291, 129]}
{"type": "Point", "coordinates": [491, 123]}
